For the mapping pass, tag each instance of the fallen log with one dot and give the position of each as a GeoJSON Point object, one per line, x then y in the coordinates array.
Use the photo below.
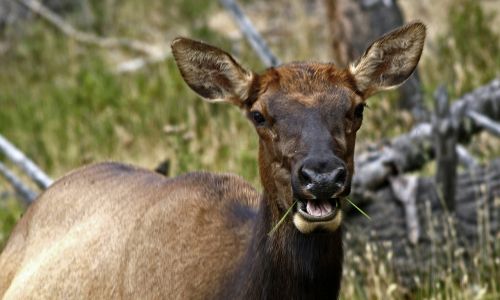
{"type": "Point", "coordinates": [443, 240]}
{"type": "Point", "coordinates": [412, 150]}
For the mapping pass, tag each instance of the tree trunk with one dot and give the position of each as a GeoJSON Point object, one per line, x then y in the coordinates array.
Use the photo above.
{"type": "Point", "coordinates": [354, 24]}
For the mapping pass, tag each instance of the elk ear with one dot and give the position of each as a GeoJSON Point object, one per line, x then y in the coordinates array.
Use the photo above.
{"type": "Point", "coordinates": [211, 72]}
{"type": "Point", "coordinates": [390, 60]}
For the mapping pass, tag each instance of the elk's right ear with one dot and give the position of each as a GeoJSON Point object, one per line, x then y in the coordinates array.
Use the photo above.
{"type": "Point", "coordinates": [211, 72]}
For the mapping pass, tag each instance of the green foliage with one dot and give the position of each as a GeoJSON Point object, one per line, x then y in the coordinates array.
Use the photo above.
{"type": "Point", "coordinates": [10, 211]}
{"type": "Point", "coordinates": [139, 19]}
{"type": "Point", "coordinates": [69, 109]}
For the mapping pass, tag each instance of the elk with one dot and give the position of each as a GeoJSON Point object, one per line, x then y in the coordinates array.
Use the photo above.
{"type": "Point", "coordinates": [111, 230]}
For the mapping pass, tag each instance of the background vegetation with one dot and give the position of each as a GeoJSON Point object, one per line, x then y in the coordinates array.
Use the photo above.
{"type": "Point", "coordinates": [64, 104]}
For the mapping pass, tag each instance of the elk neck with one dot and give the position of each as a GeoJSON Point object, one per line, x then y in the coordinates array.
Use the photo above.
{"type": "Point", "coordinates": [286, 264]}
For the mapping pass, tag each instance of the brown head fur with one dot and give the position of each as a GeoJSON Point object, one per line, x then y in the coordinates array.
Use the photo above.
{"type": "Point", "coordinates": [306, 114]}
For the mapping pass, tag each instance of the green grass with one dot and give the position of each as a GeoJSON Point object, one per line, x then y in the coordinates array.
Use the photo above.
{"type": "Point", "coordinates": [10, 211]}
{"type": "Point", "coordinates": [71, 109]}
{"type": "Point", "coordinates": [64, 106]}
{"type": "Point", "coordinates": [275, 227]}
{"type": "Point", "coordinates": [62, 103]}
{"type": "Point", "coordinates": [468, 53]}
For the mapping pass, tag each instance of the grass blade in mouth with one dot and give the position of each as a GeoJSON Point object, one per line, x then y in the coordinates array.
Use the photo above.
{"type": "Point", "coordinates": [282, 218]}
{"type": "Point", "coordinates": [359, 209]}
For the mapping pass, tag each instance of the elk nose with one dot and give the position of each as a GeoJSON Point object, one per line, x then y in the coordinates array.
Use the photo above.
{"type": "Point", "coordinates": [322, 179]}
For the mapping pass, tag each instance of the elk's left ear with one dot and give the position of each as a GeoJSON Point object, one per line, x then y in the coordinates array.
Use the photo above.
{"type": "Point", "coordinates": [390, 60]}
{"type": "Point", "coordinates": [210, 72]}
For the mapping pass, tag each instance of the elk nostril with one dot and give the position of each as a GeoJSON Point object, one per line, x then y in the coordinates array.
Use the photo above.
{"type": "Point", "coordinates": [339, 176]}
{"type": "Point", "coordinates": [306, 175]}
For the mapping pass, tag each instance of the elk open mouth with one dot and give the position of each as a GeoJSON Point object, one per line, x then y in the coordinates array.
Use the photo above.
{"type": "Point", "coordinates": [318, 210]}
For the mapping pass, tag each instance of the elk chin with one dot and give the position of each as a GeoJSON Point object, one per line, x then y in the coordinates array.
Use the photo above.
{"type": "Point", "coordinates": [311, 215]}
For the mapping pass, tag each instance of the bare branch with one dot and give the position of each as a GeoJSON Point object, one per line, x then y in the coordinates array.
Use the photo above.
{"type": "Point", "coordinates": [477, 191]}
{"type": "Point", "coordinates": [465, 158]}
{"type": "Point", "coordinates": [412, 150]}
{"type": "Point", "coordinates": [135, 64]}
{"type": "Point", "coordinates": [26, 194]}
{"type": "Point", "coordinates": [405, 190]}
{"type": "Point", "coordinates": [28, 166]}
{"type": "Point", "coordinates": [85, 37]}
{"type": "Point", "coordinates": [256, 41]}
{"type": "Point", "coordinates": [485, 122]}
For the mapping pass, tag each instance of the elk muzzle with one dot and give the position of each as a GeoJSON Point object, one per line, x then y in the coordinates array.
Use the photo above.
{"type": "Point", "coordinates": [318, 184]}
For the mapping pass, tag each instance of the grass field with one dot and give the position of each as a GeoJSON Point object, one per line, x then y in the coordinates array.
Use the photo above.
{"type": "Point", "coordinates": [64, 105]}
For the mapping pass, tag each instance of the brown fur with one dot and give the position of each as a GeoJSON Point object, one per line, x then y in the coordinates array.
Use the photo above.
{"type": "Point", "coordinates": [114, 231]}
{"type": "Point", "coordinates": [71, 244]}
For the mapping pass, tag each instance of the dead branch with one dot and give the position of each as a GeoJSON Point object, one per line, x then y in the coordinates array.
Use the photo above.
{"type": "Point", "coordinates": [89, 38]}
{"type": "Point", "coordinates": [411, 151]}
{"type": "Point", "coordinates": [405, 191]}
{"type": "Point", "coordinates": [485, 122]}
{"type": "Point", "coordinates": [465, 158]}
{"type": "Point", "coordinates": [28, 166]}
{"type": "Point", "coordinates": [393, 226]}
{"type": "Point", "coordinates": [26, 193]}
{"type": "Point", "coordinates": [253, 37]}
{"type": "Point", "coordinates": [135, 64]}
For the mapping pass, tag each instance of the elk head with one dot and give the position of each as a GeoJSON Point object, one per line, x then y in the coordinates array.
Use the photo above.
{"type": "Point", "coordinates": [306, 116]}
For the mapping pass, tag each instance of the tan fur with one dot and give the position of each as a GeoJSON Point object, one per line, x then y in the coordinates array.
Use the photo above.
{"type": "Point", "coordinates": [74, 244]}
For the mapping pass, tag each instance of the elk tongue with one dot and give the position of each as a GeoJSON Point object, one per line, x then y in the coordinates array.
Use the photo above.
{"type": "Point", "coordinates": [319, 208]}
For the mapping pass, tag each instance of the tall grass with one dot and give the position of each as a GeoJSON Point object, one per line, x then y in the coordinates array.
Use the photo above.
{"type": "Point", "coordinates": [468, 52]}
{"type": "Point", "coordinates": [445, 267]}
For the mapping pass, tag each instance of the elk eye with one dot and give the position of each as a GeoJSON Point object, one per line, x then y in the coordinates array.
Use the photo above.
{"type": "Point", "coordinates": [358, 111]}
{"type": "Point", "coordinates": [257, 117]}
